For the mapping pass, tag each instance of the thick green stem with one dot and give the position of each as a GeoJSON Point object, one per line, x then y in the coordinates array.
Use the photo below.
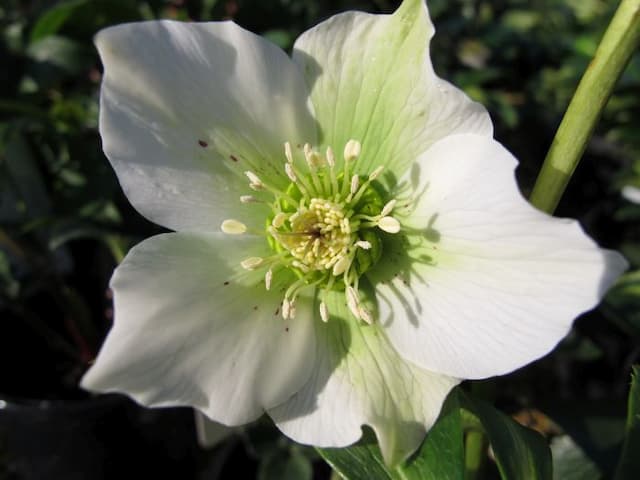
{"type": "Point", "coordinates": [474, 452]}
{"type": "Point", "coordinates": [617, 45]}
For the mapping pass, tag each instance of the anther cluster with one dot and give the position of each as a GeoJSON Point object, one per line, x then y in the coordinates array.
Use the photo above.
{"type": "Point", "coordinates": [325, 226]}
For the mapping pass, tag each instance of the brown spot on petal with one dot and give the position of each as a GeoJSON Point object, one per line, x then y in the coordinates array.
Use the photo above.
{"type": "Point", "coordinates": [226, 283]}
{"type": "Point", "coordinates": [203, 144]}
{"type": "Point", "coordinates": [233, 157]}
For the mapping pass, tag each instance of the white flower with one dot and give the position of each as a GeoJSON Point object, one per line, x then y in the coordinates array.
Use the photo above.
{"type": "Point", "coordinates": [350, 240]}
{"type": "Point", "coordinates": [631, 193]}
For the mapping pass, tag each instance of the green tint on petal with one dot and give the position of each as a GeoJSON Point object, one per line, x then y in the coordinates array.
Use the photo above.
{"type": "Point", "coordinates": [360, 379]}
{"type": "Point", "coordinates": [371, 79]}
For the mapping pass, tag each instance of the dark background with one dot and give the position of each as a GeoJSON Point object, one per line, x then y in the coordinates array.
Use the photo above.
{"type": "Point", "coordinates": [65, 224]}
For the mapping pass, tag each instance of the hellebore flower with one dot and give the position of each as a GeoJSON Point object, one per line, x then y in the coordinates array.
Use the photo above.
{"type": "Point", "coordinates": [350, 240]}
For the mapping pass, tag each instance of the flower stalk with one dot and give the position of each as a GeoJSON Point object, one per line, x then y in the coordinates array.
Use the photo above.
{"type": "Point", "coordinates": [619, 42]}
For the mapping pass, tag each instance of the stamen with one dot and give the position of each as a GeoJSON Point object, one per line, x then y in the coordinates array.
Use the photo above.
{"type": "Point", "coordinates": [313, 161]}
{"type": "Point", "coordinates": [287, 152]}
{"type": "Point", "coordinates": [352, 150]}
{"type": "Point", "coordinates": [389, 224]}
{"type": "Point", "coordinates": [386, 210]}
{"type": "Point", "coordinates": [288, 168]}
{"type": "Point", "coordinates": [376, 173]}
{"type": "Point", "coordinates": [267, 279]}
{"type": "Point", "coordinates": [363, 244]}
{"type": "Point", "coordinates": [331, 159]}
{"type": "Point", "coordinates": [324, 312]}
{"type": "Point", "coordinates": [341, 265]}
{"type": "Point", "coordinates": [249, 199]}
{"type": "Point", "coordinates": [352, 301]}
{"type": "Point", "coordinates": [363, 188]}
{"type": "Point", "coordinates": [252, 263]}
{"type": "Point", "coordinates": [233, 227]}
{"type": "Point", "coordinates": [307, 153]}
{"type": "Point", "coordinates": [254, 181]}
{"type": "Point", "coordinates": [365, 316]}
{"type": "Point", "coordinates": [279, 219]}
{"type": "Point", "coordinates": [286, 307]}
{"type": "Point", "coordinates": [355, 182]}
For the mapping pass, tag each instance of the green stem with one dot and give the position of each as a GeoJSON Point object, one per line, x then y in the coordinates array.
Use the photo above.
{"type": "Point", "coordinates": [473, 453]}
{"type": "Point", "coordinates": [615, 49]}
{"type": "Point", "coordinates": [335, 475]}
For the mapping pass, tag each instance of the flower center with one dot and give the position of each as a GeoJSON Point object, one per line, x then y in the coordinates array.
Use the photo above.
{"type": "Point", "coordinates": [317, 236]}
{"type": "Point", "coordinates": [325, 227]}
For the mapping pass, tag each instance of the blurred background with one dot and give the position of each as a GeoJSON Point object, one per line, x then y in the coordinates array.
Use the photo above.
{"type": "Point", "coordinates": [65, 224]}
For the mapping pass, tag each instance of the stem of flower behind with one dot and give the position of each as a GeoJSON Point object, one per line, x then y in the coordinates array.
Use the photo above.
{"type": "Point", "coordinates": [616, 47]}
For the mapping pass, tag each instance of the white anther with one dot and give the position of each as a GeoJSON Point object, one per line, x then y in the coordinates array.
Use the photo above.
{"type": "Point", "coordinates": [287, 152]}
{"type": "Point", "coordinates": [279, 220]}
{"type": "Point", "coordinates": [307, 153]}
{"type": "Point", "coordinates": [331, 159]}
{"type": "Point", "coordinates": [352, 301]}
{"type": "Point", "coordinates": [376, 173]}
{"type": "Point", "coordinates": [389, 224]}
{"type": "Point", "coordinates": [248, 199]}
{"type": "Point", "coordinates": [233, 227]}
{"type": "Point", "coordinates": [351, 150]}
{"type": "Point", "coordinates": [253, 178]}
{"type": "Point", "coordinates": [286, 307]}
{"type": "Point", "coordinates": [267, 279]}
{"type": "Point", "coordinates": [324, 312]}
{"type": "Point", "coordinates": [365, 316]}
{"type": "Point", "coordinates": [386, 210]}
{"type": "Point", "coordinates": [251, 263]}
{"type": "Point", "coordinates": [292, 310]}
{"type": "Point", "coordinates": [363, 244]}
{"type": "Point", "coordinates": [355, 183]}
{"type": "Point", "coordinates": [341, 265]}
{"type": "Point", "coordinates": [288, 167]}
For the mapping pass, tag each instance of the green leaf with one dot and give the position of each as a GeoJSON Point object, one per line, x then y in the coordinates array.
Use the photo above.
{"type": "Point", "coordinates": [596, 426]}
{"type": "Point", "coordinates": [570, 462]}
{"type": "Point", "coordinates": [60, 52]}
{"type": "Point", "coordinates": [622, 304]}
{"type": "Point", "coordinates": [54, 18]}
{"type": "Point", "coordinates": [23, 194]}
{"type": "Point", "coordinates": [629, 464]}
{"type": "Point", "coordinates": [440, 457]}
{"type": "Point", "coordinates": [519, 451]}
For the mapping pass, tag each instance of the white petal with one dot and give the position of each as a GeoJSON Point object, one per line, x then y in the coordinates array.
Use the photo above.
{"type": "Point", "coordinates": [360, 379]}
{"type": "Point", "coordinates": [631, 193]}
{"type": "Point", "coordinates": [185, 108]}
{"type": "Point", "coordinates": [193, 328]}
{"type": "Point", "coordinates": [371, 80]}
{"type": "Point", "coordinates": [487, 283]}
